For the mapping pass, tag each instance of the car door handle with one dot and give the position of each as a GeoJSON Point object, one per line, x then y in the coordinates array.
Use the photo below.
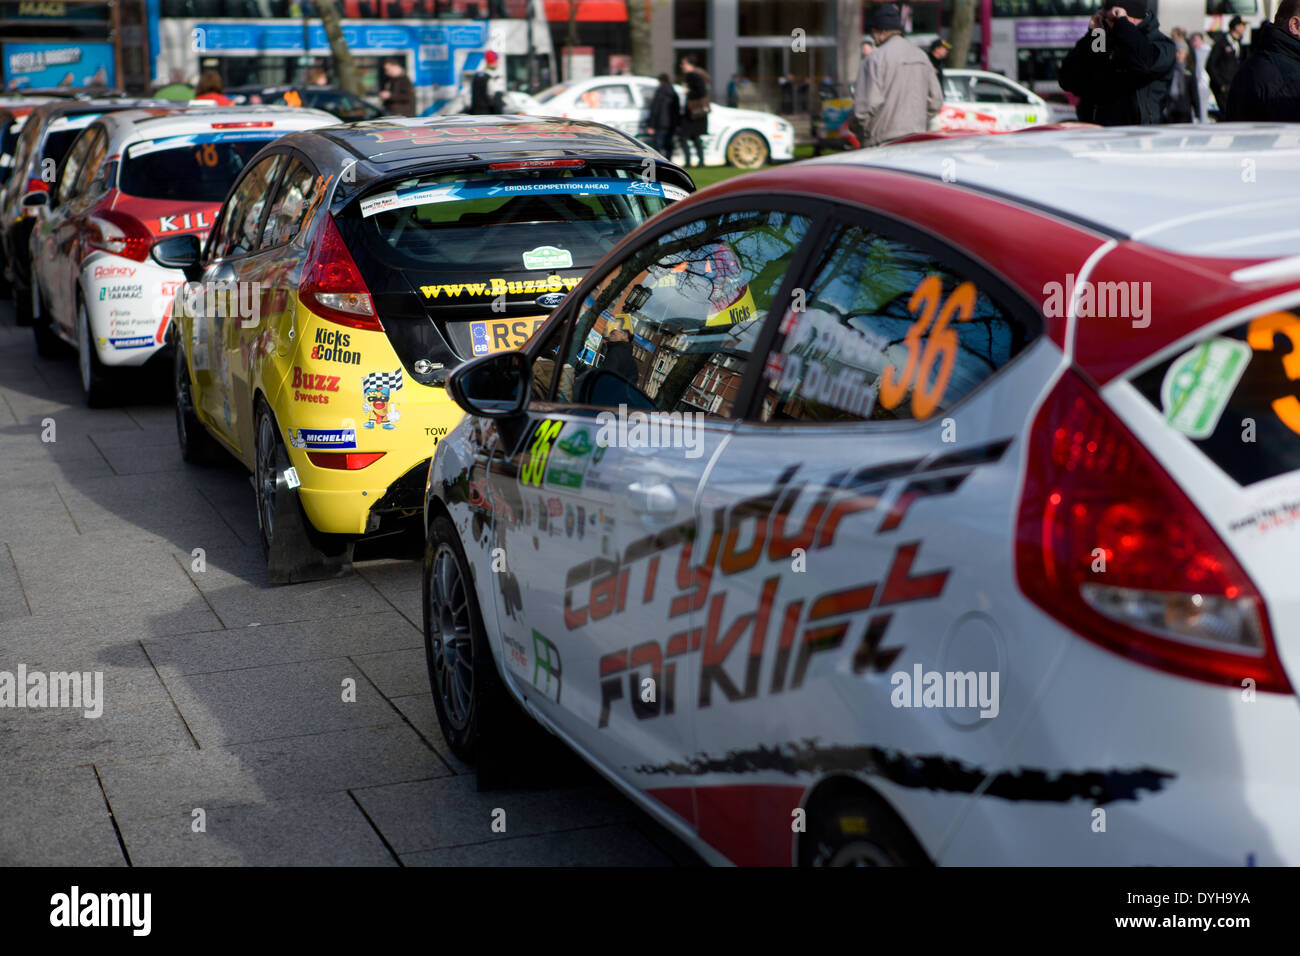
{"type": "Point", "coordinates": [652, 499]}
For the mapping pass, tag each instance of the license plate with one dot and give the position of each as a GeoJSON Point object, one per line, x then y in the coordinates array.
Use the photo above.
{"type": "Point", "coordinates": [494, 335]}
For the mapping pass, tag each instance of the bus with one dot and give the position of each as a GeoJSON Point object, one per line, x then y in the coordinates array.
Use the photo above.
{"type": "Point", "coordinates": [441, 42]}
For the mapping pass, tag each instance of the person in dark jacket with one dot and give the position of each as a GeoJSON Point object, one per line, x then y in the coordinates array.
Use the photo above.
{"type": "Point", "coordinates": [1225, 60]}
{"type": "Point", "coordinates": [1183, 105]}
{"type": "Point", "coordinates": [1267, 87]}
{"type": "Point", "coordinates": [1120, 68]}
{"type": "Point", "coordinates": [695, 123]}
{"type": "Point", "coordinates": [938, 54]}
{"type": "Point", "coordinates": [665, 115]}
{"type": "Point", "coordinates": [619, 357]}
{"type": "Point", "coordinates": [398, 93]}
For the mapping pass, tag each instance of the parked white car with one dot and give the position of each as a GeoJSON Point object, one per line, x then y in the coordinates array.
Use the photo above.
{"type": "Point", "coordinates": [978, 99]}
{"type": "Point", "coordinates": [744, 138]}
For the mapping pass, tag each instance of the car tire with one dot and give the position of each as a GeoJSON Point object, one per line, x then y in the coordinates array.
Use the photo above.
{"type": "Point", "coordinates": [95, 378]}
{"type": "Point", "coordinates": [856, 828]}
{"type": "Point", "coordinates": [748, 149]}
{"type": "Point", "coordinates": [48, 343]}
{"type": "Point", "coordinates": [295, 551]}
{"type": "Point", "coordinates": [198, 447]}
{"type": "Point", "coordinates": [467, 692]}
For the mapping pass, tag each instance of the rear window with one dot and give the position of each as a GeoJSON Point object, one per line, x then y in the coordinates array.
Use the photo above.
{"type": "Point", "coordinates": [507, 221]}
{"type": "Point", "coordinates": [1232, 397]}
{"type": "Point", "coordinates": [187, 168]}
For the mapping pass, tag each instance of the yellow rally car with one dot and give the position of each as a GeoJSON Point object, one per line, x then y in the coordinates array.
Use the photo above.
{"type": "Point", "coordinates": [349, 270]}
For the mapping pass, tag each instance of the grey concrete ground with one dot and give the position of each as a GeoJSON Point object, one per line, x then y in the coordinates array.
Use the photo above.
{"type": "Point", "coordinates": [224, 694]}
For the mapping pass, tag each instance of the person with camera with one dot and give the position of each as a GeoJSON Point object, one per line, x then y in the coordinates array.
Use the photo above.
{"type": "Point", "coordinates": [1121, 66]}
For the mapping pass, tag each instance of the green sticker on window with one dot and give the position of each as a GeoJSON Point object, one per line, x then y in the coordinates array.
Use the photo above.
{"type": "Point", "coordinates": [548, 257]}
{"type": "Point", "coordinates": [1199, 383]}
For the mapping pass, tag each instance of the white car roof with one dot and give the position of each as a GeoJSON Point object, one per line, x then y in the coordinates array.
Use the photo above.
{"type": "Point", "coordinates": [1223, 190]}
{"type": "Point", "coordinates": [129, 126]}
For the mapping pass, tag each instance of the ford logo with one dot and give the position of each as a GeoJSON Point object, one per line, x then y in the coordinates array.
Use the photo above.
{"type": "Point", "coordinates": [550, 300]}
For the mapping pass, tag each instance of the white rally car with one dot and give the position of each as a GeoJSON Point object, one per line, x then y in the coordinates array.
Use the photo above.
{"type": "Point", "coordinates": [132, 177]}
{"type": "Point", "coordinates": [834, 527]}
{"type": "Point", "coordinates": [978, 99]}
{"type": "Point", "coordinates": [744, 138]}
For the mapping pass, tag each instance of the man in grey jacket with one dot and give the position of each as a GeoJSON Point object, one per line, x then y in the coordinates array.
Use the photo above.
{"type": "Point", "coordinates": [898, 90]}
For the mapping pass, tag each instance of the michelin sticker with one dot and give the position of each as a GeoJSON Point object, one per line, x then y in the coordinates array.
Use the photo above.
{"type": "Point", "coordinates": [1199, 384]}
{"type": "Point", "coordinates": [548, 257]}
{"type": "Point", "coordinates": [322, 438]}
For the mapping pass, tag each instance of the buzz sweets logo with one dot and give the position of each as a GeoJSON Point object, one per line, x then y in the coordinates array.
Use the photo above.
{"type": "Point", "coordinates": [231, 299]}
{"type": "Point", "coordinates": [660, 430]}
{"type": "Point", "coordinates": [76, 909]}
{"type": "Point", "coordinates": [74, 690]}
{"type": "Point", "coordinates": [1099, 300]}
{"type": "Point", "coordinates": [953, 689]}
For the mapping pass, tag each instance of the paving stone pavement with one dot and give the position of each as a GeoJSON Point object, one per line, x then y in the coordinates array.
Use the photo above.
{"type": "Point", "coordinates": [222, 698]}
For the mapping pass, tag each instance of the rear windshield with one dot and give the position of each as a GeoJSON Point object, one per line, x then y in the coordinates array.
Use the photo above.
{"type": "Point", "coordinates": [187, 168]}
{"type": "Point", "coordinates": [1232, 397]}
{"type": "Point", "coordinates": [506, 221]}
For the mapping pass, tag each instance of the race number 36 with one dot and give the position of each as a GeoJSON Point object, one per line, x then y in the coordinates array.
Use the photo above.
{"type": "Point", "coordinates": [919, 374]}
{"type": "Point", "coordinates": [534, 466]}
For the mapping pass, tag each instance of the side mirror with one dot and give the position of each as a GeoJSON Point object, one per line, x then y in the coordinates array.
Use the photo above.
{"type": "Point", "coordinates": [178, 252]}
{"type": "Point", "coordinates": [37, 197]}
{"type": "Point", "coordinates": [494, 386]}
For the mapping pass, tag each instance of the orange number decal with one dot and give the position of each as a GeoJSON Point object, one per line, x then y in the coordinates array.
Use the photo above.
{"type": "Point", "coordinates": [1260, 338]}
{"type": "Point", "coordinates": [919, 375]}
{"type": "Point", "coordinates": [207, 156]}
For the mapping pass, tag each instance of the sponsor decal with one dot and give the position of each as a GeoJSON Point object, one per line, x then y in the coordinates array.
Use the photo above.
{"type": "Point", "coordinates": [114, 272]}
{"type": "Point", "coordinates": [134, 342]}
{"type": "Point", "coordinates": [1199, 383]}
{"type": "Point", "coordinates": [546, 664]}
{"type": "Point", "coordinates": [502, 188]}
{"type": "Point", "coordinates": [498, 286]}
{"type": "Point", "coordinates": [310, 387]}
{"type": "Point", "coordinates": [932, 772]}
{"type": "Point", "coordinates": [674, 192]}
{"type": "Point", "coordinates": [113, 293]}
{"type": "Point", "coordinates": [518, 657]}
{"type": "Point", "coordinates": [493, 335]}
{"type": "Point", "coordinates": [548, 257]}
{"type": "Point", "coordinates": [332, 346]}
{"type": "Point", "coordinates": [427, 134]}
{"type": "Point", "coordinates": [784, 639]}
{"type": "Point", "coordinates": [323, 437]}
{"type": "Point", "coordinates": [1267, 517]}
{"type": "Point", "coordinates": [182, 223]}
{"type": "Point", "coordinates": [208, 157]}
{"type": "Point", "coordinates": [550, 300]}
{"type": "Point", "coordinates": [376, 390]}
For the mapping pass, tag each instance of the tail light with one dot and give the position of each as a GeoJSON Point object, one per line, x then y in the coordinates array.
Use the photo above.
{"type": "Point", "coordinates": [344, 460]}
{"type": "Point", "coordinates": [1110, 546]}
{"type": "Point", "coordinates": [35, 185]}
{"type": "Point", "coordinates": [332, 286]}
{"type": "Point", "coordinates": [119, 233]}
